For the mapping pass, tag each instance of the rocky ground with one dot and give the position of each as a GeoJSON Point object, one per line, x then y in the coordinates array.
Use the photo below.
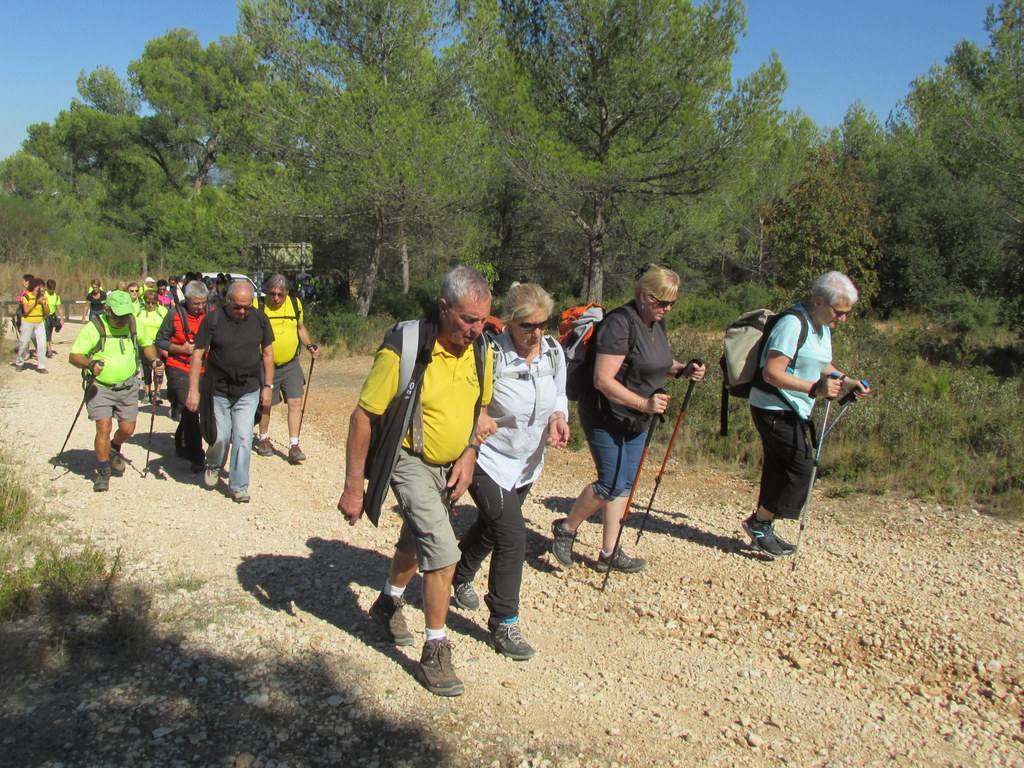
{"type": "Point", "coordinates": [897, 640]}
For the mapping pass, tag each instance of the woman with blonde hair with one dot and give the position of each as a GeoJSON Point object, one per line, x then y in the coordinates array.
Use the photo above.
{"type": "Point", "coordinates": [530, 409]}
{"type": "Point", "coordinates": [632, 359]}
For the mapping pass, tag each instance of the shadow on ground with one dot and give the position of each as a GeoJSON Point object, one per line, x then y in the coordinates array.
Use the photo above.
{"type": "Point", "coordinates": [113, 691]}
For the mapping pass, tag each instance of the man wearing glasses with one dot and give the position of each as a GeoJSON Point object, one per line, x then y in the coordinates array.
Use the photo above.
{"type": "Point", "coordinates": [238, 344]}
{"type": "Point", "coordinates": [285, 314]}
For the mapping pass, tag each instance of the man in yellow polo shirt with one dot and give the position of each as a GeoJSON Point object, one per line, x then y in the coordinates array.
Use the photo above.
{"type": "Point", "coordinates": [285, 314]}
{"type": "Point", "coordinates": [107, 348]}
{"type": "Point", "coordinates": [433, 459]}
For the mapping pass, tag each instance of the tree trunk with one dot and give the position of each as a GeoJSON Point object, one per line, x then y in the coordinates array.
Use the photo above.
{"type": "Point", "coordinates": [594, 283]}
{"type": "Point", "coordinates": [372, 266]}
{"type": "Point", "coordinates": [404, 250]}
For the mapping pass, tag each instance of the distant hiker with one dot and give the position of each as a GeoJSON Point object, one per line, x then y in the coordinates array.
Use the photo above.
{"type": "Point", "coordinates": [56, 317]}
{"type": "Point", "coordinates": [26, 281]}
{"type": "Point", "coordinates": [781, 404]}
{"type": "Point", "coordinates": [95, 301]}
{"type": "Point", "coordinates": [632, 357]}
{"type": "Point", "coordinates": [285, 314]}
{"type": "Point", "coordinates": [107, 350]}
{"type": "Point", "coordinates": [174, 290]}
{"type": "Point", "coordinates": [163, 295]}
{"type": "Point", "coordinates": [238, 342]}
{"type": "Point", "coordinates": [175, 339]}
{"type": "Point", "coordinates": [34, 309]}
{"type": "Point", "coordinates": [415, 427]}
{"type": "Point", "coordinates": [530, 410]}
{"type": "Point", "coordinates": [133, 291]}
{"type": "Point", "coordinates": [150, 318]}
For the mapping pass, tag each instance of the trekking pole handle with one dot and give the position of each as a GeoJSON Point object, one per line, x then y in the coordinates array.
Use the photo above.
{"type": "Point", "coordinates": [851, 396]}
{"type": "Point", "coordinates": [696, 360]}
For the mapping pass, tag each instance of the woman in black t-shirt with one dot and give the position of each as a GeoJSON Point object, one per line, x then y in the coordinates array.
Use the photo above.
{"type": "Point", "coordinates": [633, 358]}
{"type": "Point", "coordinates": [95, 300]}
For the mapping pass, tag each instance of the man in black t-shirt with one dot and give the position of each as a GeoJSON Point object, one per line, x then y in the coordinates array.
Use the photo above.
{"type": "Point", "coordinates": [239, 378]}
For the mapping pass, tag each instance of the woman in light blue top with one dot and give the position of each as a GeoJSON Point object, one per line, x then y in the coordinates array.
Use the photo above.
{"type": "Point", "coordinates": [530, 409]}
{"type": "Point", "coordinates": [795, 374]}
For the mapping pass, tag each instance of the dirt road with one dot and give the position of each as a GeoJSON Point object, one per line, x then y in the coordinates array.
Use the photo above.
{"type": "Point", "coordinates": [898, 640]}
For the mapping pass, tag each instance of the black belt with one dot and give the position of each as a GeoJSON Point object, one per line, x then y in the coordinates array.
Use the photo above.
{"type": "Point", "coordinates": [117, 387]}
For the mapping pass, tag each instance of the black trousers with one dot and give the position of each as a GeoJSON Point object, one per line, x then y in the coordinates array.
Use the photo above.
{"type": "Point", "coordinates": [499, 531]}
{"type": "Point", "coordinates": [788, 444]}
{"type": "Point", "coordinates": [188, 440]}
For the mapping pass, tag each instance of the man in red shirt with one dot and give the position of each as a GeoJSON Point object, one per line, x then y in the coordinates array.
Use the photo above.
{"type": "Point", "coordinates": [176, 339]}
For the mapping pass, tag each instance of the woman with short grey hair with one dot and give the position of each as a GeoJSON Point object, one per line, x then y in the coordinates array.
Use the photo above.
{"type": "Point", "coordinates": [797, 370]}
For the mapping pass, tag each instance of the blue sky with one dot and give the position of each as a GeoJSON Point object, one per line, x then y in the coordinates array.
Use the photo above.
{"type": "Point", "coordinates": [834, 51]}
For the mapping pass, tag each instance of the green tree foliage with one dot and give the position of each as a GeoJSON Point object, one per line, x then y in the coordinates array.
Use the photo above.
{"type": "Point", "coordinates": [823, 223]}
{"type": "Point", "coordinates": [362, 130]}
{"type": "Point", "coordinates": [595, 101]}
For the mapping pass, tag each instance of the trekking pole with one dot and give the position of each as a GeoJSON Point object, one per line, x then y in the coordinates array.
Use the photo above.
{"type": "Point", "coordinates": [639, 468]}
{"type": "Point", "coordinates": [157, 382]}
{"type": "Point", "coordinates": [85, 396]}
{"type": "Point", "coordinates": [847, 399]}
{"type": "Point", "coordinates": [668, 452]}
{"type": "Point", "coordinates": [309, 383]}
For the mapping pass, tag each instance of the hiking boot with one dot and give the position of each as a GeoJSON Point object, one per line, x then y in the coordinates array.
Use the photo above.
{"type": "Point", "coordinates": [241, 497]}
{"type": "Point", "coordinates": [42, 370]}
{"type": "Point", "coordinates": [465, 596]}
{"type": "Point", "coordinates": [620, 561]}
{"type": "Point", "coordinates": [102, 480]}
{"type": "Point", "coordinates": [263, 447]}
{"type": "Point", "coordinates": [436, 672]}
{"type": "Point", "coordinates": [387, 611]}
{"type": "Point", "coordinates": [763, 538]}
{"type": "Point", "coordinates": [117, 465]}
{"type": "Point", "coordinates": [561, 547]}
{"type": "Point", "coordinates": [508, 641]}
{"type": "Point", "coordinates": [210, 476]}
{"type": "Point", "coordinates": [295, 455]}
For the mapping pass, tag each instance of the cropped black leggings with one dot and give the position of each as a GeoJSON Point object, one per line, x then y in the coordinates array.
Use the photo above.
{"type": "Point", "coordinates": [499, 531]}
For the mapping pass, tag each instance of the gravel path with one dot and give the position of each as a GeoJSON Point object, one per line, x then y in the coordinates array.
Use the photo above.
{"type": "Point", "coordinates": [898, 639]}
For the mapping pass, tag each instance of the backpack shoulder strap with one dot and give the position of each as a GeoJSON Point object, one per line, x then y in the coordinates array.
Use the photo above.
{"type": "Point", "coordinates": [97, 320]}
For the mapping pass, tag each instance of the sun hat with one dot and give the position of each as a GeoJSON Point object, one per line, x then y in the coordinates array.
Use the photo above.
{"type": "Point", "coordinates": [150, 280]}
{"type": "Point", "coordinates": [120, 303]}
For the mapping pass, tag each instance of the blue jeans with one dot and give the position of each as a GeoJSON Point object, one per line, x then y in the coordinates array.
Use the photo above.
{"type": "Point", "coordinates": [616, 456]}
{"type": "Point", "coordinates": [235, 418]}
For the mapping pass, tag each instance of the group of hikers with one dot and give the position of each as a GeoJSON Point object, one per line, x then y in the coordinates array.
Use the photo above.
{"type": "Point", "coordinates": [447, 408]}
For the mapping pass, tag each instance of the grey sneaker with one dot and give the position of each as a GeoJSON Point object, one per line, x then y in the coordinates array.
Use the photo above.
{"type": "Point", "coordinates": [561, 547]}
{"type": "Point", "coordinates": [465, 597]}
{"type": "Point", "coordinates": [436, 672]}
{"type": "Point", "coordinates": [620, 561]}
{"type": "Point", "coordinates": [508, 640]}
{"type": "Point", "coordinates": [263, 447]}
{"type": "Point", "coordinates": [763, 538]}
{"type": "Point", "coordinates": [102, 480]}
{"type": "Point", "coordinates": [241, 497]}
{"type": "Point", "coordinates": [387, 611]}
{"type": "Point", "coordinates": [295, 455]}
{"type": "Point", "coordinates": [117, 465]}
{"type": "Point", "coordinates": [210, 476]}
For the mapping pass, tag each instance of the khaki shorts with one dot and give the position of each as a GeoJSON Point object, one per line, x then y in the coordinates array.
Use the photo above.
{"type": "Point", "coordinates": [105, 403]}
{"type": "Point", "coordinates": [288, 382]}
{"type": "Point", "coordinates": [427, 524]}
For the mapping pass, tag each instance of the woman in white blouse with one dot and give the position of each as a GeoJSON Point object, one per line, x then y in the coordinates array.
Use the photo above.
{"type": "Point", "coordinates": [530, 409]}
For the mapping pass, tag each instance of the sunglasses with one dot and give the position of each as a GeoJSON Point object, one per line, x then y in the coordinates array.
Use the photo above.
{"type": "Point", "coordinates": [661, 304]}
{"type": "Point", "coordinates": [530, 327]}
{"type": "Point", "coordinates": [241, 307]}
{"type": "Point", "coordinates": [275, 293]}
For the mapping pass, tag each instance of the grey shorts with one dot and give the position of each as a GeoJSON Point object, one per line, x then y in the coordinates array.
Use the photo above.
{"type": "Point", "coordinates": [105, 403]}
{"type": "Point", "coordinates": [427, 525]}
{"type": "Point", "coordinates": [288, 382]}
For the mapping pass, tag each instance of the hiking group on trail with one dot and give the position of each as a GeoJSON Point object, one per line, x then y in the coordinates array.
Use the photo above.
{"type": "Point", "coordinates": [460, 401]}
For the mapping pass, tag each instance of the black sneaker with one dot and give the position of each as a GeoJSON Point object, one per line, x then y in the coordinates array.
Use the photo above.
{"type": "Point", "coordinates": [620, 561]}
{"type": "Point", "coordinates": [387, 611]}
{"type": "Point", "coordinates": [465, 597]}
{"type": "Point", "coordinates": [436, 672]}
{"type": "Point", "coordinates": [508, 640]}
{"type": "Point", "coordinates": [102, 480]}
{"type": "Point", "coordinates": [561, 547]}
{"type": "Point", "coordinates": [763, 538]}
{"type": "Point", "coordinates": [117, 465]}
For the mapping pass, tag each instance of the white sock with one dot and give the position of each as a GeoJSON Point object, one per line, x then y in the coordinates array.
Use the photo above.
{"type": "Point", "coordinates": [605, 554]}
{"type": "Point", "coordinates": [264, 435]}
{"type": "Point", "coordinates": [293, 441]}
{"type": "Point", "coordinates": [435, 634]}
{"type": "Point", "coordinates": [393, 591]}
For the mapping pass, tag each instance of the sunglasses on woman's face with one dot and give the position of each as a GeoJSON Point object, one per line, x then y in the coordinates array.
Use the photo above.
{"type": "Point", "coordinates": [661, 304]}
{"type": "Point", "coordinates": [530, 327]}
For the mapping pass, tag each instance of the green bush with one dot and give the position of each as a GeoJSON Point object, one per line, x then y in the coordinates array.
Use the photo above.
{"type": "Point", "coordinates": [348, 333]}
{"type": "Point", "coordinates": [15, 503]}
